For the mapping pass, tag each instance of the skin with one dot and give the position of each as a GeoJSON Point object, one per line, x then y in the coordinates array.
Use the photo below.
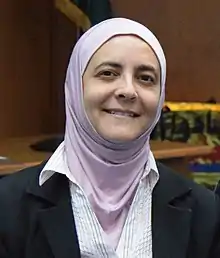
{"type": "Point", "coordinates": [122, 88]}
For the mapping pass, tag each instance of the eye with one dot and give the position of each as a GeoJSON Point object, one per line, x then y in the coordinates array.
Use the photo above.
{"type": "Point", "coordinates": [107, 75]}
{"type": "Point", "coordinates": [146, 78]}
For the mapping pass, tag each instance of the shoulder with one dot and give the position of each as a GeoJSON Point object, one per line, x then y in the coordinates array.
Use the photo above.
{"type": "Point", "coordinates": [203, 205]}
{"type": "Point", "coordinates": [172, 179]}
{"type": "Point", "coordinates": [14, 205]}
{"type": "Point", "coordinates": [13, 186]}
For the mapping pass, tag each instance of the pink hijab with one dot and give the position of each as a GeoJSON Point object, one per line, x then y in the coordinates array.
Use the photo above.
{"type": "Point", "coordinates": [108, 172]}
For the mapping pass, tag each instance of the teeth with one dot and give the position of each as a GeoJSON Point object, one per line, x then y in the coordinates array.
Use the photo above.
{"type": "Point", "coordinates": [121, 113]}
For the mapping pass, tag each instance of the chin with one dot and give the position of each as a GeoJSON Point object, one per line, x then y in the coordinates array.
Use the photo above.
{"type": "Point", "coordinates": [116, 137]}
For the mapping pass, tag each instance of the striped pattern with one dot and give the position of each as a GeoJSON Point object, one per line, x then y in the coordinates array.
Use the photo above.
{"type": "Point", "coordinates": [136, 236]}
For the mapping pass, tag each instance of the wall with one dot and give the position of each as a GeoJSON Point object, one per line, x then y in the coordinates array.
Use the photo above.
{"type": "Point", "coordinates": [189, 32]}
{"type": "Point", "coordinates": [25, 66]}
{"type": "Point", "coordinates": [36, 42]}
{"type": "Point", "coordinates": [63, 39]}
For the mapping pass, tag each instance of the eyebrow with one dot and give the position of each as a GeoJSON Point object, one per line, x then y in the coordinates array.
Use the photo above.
{"type": "Point", "coordinates": [149, 68]}
{"type": "Point", "coordinates": [111, 64]}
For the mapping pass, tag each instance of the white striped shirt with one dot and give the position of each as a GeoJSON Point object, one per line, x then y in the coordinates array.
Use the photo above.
{"type": "Point", "coordinates": [136, 237]}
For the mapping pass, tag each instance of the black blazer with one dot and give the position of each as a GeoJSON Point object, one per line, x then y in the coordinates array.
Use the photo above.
{"type": "Point", "coordinates": [37, 222]}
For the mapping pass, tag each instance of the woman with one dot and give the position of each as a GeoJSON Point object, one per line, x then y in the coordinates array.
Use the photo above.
{"type": "Point", "coordinates": [102, 194]}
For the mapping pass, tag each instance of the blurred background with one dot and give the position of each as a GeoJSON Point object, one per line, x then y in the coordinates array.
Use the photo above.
{"type": "Point", "coordinates": [37, 38]}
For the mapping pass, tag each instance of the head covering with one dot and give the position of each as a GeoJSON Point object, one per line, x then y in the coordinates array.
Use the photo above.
{"type": "Point", "coordinates": [107, 171]}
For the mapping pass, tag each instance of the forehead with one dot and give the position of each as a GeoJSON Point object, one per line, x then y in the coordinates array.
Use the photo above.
{"type": "Point", "coordinates": [125, 48]}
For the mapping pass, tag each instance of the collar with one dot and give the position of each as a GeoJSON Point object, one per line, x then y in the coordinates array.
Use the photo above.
{"type": "Point", "coordinates": [57, 164]}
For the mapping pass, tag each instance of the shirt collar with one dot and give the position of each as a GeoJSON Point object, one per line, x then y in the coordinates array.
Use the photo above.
{"type": "Point", "coordinates": [57, 164]}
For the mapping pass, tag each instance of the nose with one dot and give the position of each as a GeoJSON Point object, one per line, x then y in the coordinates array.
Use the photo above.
{"type": "Point", "coordinates": [126, 91]}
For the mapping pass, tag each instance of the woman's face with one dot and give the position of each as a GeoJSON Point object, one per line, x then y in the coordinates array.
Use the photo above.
{"type": "Point", "coordinates": [122, 88]}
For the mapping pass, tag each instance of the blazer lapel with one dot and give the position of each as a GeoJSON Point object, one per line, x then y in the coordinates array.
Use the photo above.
{"type": "Point", "coordinates": [171, 216]}
{"type": "Point", "coordinates": [56, 219]}
{"type": "Point", "coordinates": [171, 213]}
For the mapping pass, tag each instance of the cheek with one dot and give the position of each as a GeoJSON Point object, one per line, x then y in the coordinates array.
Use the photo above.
{"type": "Point", "coordinates": [90, 99]}
{"type": "Point", "coordinates": [92, 103]}
{"type": "Point", "coordinates": [88, 102]}
{"type": "Point", "coordinates": [150, 100]}
{"type": "Point", "coordinates": [97, 96]}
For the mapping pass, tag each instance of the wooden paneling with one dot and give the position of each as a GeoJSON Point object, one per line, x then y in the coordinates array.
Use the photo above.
{"type": "Point", "coordinates": [36, 41]}
{"type": "Point", "coordinates": [25, 66]}
{"type": "Point", "coordinates": [189, 32]}
{"type": "Point", "coordinates": [63, 39]}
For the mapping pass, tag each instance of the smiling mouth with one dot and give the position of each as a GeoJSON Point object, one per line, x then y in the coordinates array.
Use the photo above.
{"type": "Point", "coordinates": [120, 113]}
